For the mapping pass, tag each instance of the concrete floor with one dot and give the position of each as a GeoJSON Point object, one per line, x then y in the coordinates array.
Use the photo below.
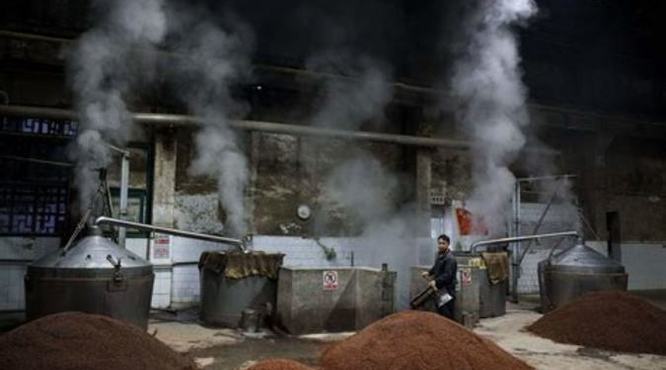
{"type": "Point", "coordinates": [225, 349]}
{"type": "Point", "coordinates": [508, 332]}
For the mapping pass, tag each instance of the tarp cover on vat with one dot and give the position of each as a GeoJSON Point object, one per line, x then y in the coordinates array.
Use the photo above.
{"type": "Point", "coordinates": [497, 264]}
{"type": "Point", "coordinates": [238, 265]}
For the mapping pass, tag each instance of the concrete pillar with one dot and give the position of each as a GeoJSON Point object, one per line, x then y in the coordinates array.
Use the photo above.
{"type": "Point", "coordinates": [423, 185]}
{"type": "Point", "coordinates": [596, 196]}
{"type": "Point", "coordinates": [251, 193]}
{"type": "Point", "coordinates": [423, 181]}
{"type": "Point", "coordinates": [164, 187]}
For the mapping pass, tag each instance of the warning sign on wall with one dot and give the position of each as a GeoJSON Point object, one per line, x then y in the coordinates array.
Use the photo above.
{"type": "Point", "coordinates": [161, 245]}
{"type": "Point", "coordinates": [330, 280]}
{"type": "Point", "coordinates": [465, 276]}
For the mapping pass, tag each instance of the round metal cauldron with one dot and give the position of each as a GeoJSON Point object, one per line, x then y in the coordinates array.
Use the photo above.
{"type": "Point", "coordinates": [576, 271]}
{"type": "Point", "coordinates": [94, 276]}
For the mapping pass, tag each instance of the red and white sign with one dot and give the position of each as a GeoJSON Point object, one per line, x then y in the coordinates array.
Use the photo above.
{"type": "Point", "coordinates": [465, 276]}
{"type": "Point", "coordinates": [330, 280]}
{"type": "Point", "coordinates": [161, 245]}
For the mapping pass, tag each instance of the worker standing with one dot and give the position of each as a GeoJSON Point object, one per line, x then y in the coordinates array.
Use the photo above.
{"type": "Point", "coordinates": [443, 277]}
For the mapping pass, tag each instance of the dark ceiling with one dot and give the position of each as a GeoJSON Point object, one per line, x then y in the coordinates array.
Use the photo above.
{"type": "Point", "coordinates": [604, 55]}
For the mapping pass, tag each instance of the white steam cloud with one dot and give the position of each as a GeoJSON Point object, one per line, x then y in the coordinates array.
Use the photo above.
{"type": "Point", "coordinates": [211, 60]}
{"type": "Point", "coordinates": [101, 70]}
{"type": "Point", "coordinates": [487, 81]}
{"type": "Point", "coordinates": [361, 184]}
{"type": "Point", "coordinates": [359, 91]}
{"type": "Point", "coordinates": [367, 191]}
{"type": "Point", "coordinates": [363, 187]}
{"type": "Point", "coordinates": [110, 60]}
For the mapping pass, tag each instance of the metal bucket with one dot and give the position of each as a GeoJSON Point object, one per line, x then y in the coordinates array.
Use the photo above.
{"type": "Point", "coordinates": [251, 320]}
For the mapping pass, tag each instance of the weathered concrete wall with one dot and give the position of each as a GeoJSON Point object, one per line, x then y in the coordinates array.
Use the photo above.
{"type": "Point", "coordinates": [620, 167]}
{"type": "Point", "coordinates": [288, 171]}
{"type": "Point", "coordinates": [636, 186]}
{"type": "Point", "coordinates": [451, 173]}
{"type": "Point", "coordinates": [293, 170]}
{"type": "Point", "coordinates": [198, 212]}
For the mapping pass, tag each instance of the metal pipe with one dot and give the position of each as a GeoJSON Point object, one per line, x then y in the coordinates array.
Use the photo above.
{"type": "Point", "coordinates": [124, 189]}
{"type": "Point", "coordinates": [554, 248]}
{"type": "Point", "coordinates": [33, 36]}
{"type": "Point", "coordinates": [241, 244]}
{"type": "Point", "coordinates": [124, 152]}
{"type": "Point", "coordinates": [516, 246]}
{"type": "Point", "coordinates": [521, 238]}
{"type": "Point", "coordinates": [279, 128]}
{"type": "Point", "coordinates": [539, 178]}
{"type": "Point", "coordinates": [9, 261]}
{"type": "Point", "coordinates": [36, 160]}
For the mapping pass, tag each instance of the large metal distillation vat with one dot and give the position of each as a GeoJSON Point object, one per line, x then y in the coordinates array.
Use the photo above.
{"type": "Point", "coordinates": [575, 271]}
{"type": "Point", "coordinates": [97, 276]}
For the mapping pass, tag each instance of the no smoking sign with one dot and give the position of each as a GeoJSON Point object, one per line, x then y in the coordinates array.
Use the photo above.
{"type": "Point", "coordinates": [330, 280]}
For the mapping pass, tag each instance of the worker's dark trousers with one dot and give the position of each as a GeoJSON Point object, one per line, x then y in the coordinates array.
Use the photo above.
{"type": "Point", "coordinates": [447, 309]}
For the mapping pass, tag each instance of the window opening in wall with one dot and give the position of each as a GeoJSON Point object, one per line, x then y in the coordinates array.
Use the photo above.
{"type": "Point", "coordinates": [140, 190]}
{"type": "Point", "coordinates": [34, 188]}
{"type": "Point", "coordinates": [439, 224]}
{"type": "Point", "coordinates": [136, 207]}
{"type": "Point", "coordinates": [437, 221]}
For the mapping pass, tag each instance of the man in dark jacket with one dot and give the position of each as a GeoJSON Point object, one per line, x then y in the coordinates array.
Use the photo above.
{"type": "Point", "coordinates": [443, 276]}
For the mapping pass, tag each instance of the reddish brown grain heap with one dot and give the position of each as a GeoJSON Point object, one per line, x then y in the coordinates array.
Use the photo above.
{"type": "Point", "coordinates": [82, 341]}
{"type": "Point", "coordinates": [616, 321]}
{"type": "Point", "coordinates": [279, 364]}
{"type": "Point", "coordinates": [416, 340]}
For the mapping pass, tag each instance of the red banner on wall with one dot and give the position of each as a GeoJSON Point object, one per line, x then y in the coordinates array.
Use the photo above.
{"type": "Point", "coordinates": [469, 224]}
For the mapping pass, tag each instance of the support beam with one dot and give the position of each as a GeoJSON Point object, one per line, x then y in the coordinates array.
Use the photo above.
{"type": "Point", "coordinates": [164, 197]}
{"type": "Point", "coordinates": [172, 120]}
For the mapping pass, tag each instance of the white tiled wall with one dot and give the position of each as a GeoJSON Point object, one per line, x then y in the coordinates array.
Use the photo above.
{"type": "Point", "coordinates": [15, 253]}
{"type": "Point", "coordinates": [11, 287]}
{"type": "Point", "coordinates": [162, 287]}
{"type": "Point", "coordinates": [302, 252]}
{"type": "Point", "coordinates": [185, 286]}
{"type": "Point", "coordinates": [646, 265]}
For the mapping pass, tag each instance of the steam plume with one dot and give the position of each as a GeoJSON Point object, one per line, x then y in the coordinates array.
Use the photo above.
{"type": "Point", "coordinates": [361, 184]}
{"type": "Point", "coordinates": [211, 61]}
{"type": "Point", "coordinates": [487, 81]}
{"type": "Point", "coordinates": [101, 70]}
{"type": "Point", "coordinates": [351, 100]}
